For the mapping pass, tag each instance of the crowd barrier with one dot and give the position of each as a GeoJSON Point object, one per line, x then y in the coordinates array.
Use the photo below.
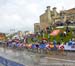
{"type": "Point", "coordinates": [6, 62]}
{"type": "Point", "coordinates": [44, 48]}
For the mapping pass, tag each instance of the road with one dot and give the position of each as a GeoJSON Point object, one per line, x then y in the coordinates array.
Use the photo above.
{"type": "Point", "coordinates": [34, 59]}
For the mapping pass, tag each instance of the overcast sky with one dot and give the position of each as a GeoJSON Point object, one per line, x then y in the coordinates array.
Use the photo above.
{"type": "Point", "coordinates": [22, 14]}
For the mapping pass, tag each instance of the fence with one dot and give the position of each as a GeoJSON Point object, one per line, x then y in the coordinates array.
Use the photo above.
{"type": "Point", "coordinates": [6, 62]}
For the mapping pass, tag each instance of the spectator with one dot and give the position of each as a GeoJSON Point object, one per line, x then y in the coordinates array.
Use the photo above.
{"type": "Point", "coordinates": [54, 43]}
{"type": "Point", "coordinates": [65, 33]}
{"type": "Point", "coordinates": [70, 42]}
{"type": "Point", "coordinates": [48, 37]}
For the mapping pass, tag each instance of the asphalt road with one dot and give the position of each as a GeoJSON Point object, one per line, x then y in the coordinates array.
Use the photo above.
{"type": "Point", "coordinates": [34, 59]}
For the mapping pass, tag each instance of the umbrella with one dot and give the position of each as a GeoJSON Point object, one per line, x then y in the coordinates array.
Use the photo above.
{"type": "Point", "coordinates": [44, 38]}
{"type": "Point", "coordinates": [55, 32]}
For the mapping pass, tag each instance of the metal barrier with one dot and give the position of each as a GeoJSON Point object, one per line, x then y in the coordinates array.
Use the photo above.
{"type": "Point", "coordinates": [7, 62]}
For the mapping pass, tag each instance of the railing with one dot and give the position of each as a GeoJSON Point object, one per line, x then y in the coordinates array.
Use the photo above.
{"type": "Point", "coordinates": [6, 62]}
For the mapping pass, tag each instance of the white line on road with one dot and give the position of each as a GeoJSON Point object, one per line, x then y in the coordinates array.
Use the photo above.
{"type": "Point", "coordinates": [58, 59]}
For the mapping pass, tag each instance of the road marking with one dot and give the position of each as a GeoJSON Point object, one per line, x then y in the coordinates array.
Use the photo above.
{"type": "Point", "coordinates": [58, 59]}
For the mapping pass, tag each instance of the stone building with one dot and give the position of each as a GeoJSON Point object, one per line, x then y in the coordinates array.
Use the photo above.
{"type": "Point", "coordinates": [52, 16]}
{"type": "Point", "coordinates": [49, 17]}
{"type": "Point", "coordinates": [36, 27]}
{"type": "Point", "coordinates": [70, 14]}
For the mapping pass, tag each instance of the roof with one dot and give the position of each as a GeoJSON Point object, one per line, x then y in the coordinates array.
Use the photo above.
{"type": "Point", "coordinates": [70, 11]}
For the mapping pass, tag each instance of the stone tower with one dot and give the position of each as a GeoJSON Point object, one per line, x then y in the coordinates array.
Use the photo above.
{"type": "Point", "coordinates": [48, 11]}
{"type": "Point", "coordinates": [55, 12]}
{"type": "Point", "coordinates": [45, 19]}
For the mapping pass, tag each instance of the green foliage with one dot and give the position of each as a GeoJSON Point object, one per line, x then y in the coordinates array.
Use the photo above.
{"type": "Point", "coordinates": [58, 37]}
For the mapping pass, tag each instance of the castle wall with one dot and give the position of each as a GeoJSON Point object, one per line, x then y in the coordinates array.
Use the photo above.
{"type": "Point", "coordinates": [36, 27]}
{"type": "Point", "coordinates": [52, 16]}
{"type": "Point", "coordinates": [45, 19]}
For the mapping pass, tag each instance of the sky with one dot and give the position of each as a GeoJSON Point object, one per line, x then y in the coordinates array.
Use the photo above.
{"type": "Point", "coordinates": [22, 14]}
